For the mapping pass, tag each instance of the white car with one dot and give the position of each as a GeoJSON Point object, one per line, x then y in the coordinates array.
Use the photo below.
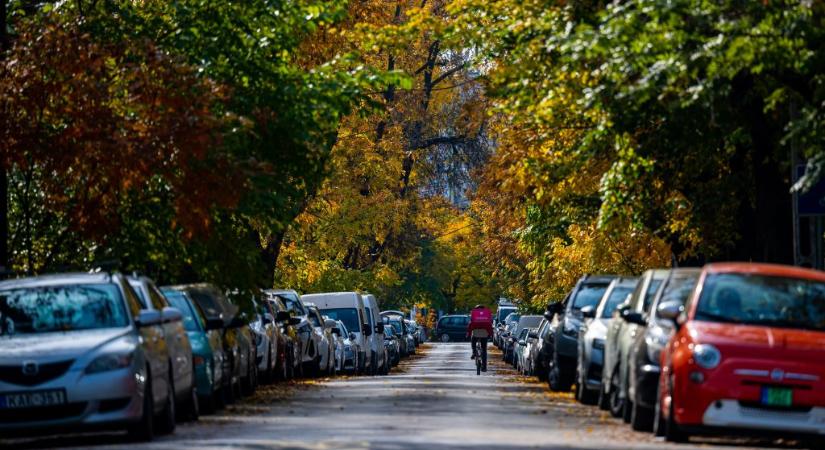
{"type": "Point", "coordinates": [347, 307]}
{"type": "Point", "coordinates": [380, 361]}
{"type": "Point", "coordinates": [326, 345]}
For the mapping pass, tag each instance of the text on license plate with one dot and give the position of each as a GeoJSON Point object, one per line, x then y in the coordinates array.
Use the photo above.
{"type": "Point", "coordinates": [33, 399]}
{"type": "Point", "coordinates": [775, 396]}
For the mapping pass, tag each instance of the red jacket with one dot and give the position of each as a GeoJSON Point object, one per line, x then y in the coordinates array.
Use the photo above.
{"type": "Point", "coordinates": [481, 318]}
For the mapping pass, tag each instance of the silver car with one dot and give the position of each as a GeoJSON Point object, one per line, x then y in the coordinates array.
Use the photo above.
{"type": "Point", "coordinates": [180, 349]}
{"type": "Point", "coordinates": [592, 335]}
{"type": "Point", "coordinates": [78, 351]}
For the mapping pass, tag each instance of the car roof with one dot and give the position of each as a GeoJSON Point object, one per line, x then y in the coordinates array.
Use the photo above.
{"type": "Point", "coordinates": [57, 279]}
{"type": "Point", "coordinates": [282, 291]}
{"type": "Point", "coordinates": [766, 269]}
{"type": "Point", "coordinates": [600, 278]}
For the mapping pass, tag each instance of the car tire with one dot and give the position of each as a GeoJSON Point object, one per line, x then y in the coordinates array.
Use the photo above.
{"type": "Point", "coordinates": [445, 337]}
{"type": "Point", "coordinates": [616, 402]}
{"type": "Point", "coordinates": [641, 418]}
{"type": "Point", "coordinates": [604, 400]}
{"type": "Point", "coordinates": [166, 420]}
{"type": "Point", "coordinates": [190, 410]}
{"type": "Point", "coordinates": [627, 409]}
{"type": "Point", "coordinates": [672, 432]}
{"type": "Point", "coordinates": [658, 419]}
{"type": "Point", "coordinates": [555, 377]}
{"type": "Point", "coordinates": [144, 429]}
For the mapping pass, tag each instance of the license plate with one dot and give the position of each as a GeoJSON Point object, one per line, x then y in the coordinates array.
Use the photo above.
{"type": "Point", "coordinates": [33, 399]}
{"type": "Point", "coordinates": [774, 396]}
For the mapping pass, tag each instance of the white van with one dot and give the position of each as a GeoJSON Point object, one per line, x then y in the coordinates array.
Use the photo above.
{"type": "Point", "coordinates": [347, 307]}
{"type": "Point", "coordinates": [380, 361]}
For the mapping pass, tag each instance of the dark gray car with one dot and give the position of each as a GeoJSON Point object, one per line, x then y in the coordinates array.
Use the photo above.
{"type": "Point", "coordinates": [652, 335]}
{"type": "Point", "coordinates": [566, 318]}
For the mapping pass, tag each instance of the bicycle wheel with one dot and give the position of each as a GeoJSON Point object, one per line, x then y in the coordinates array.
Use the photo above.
{"type": "Point", "coordinates": [478, 359]}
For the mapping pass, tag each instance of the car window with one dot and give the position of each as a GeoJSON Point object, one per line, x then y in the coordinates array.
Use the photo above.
{"type": "Point", "coordinates": [158, 301]}
{"type": "Point", "coordinates": [617, 296]}
{"type": "Point", "coordinates": [34, 310]}
{"type": "Point", "coordinates": [293, 304]}
{"type": "Point", "coordinates": [589, 295]}
{"type": "Point", "coordinates": [314, 319]}
{"type": "Point", "coordinates": [347, 315]}
{"type": "Point", "coordinates": [132, 300]}
{"type": "Point", "coordinates": [191, 319]}
{"type": "Point", "coordinates": [651, 293]}
{"type": "Point", "coordinates": [369, 317]}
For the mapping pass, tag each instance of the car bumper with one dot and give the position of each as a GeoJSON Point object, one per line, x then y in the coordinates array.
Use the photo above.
{"type": "Point", "coordinates": [732, 414]}
{"type": "Point", "coordinates": [99, 400]}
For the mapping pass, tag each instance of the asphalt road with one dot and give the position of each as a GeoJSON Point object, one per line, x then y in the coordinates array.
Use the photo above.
{"type": "Point", "coordinates": [434, 401]}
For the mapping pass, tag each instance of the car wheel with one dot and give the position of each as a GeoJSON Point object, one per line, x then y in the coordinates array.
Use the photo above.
{"type": "Point", "coordinates": [144, 430]}
{"type": "Point", "coordinates": [672, 432]}
{"type": "Point", "coordinates": [616, 402]}
{"type": "Point", "coordinates": [627, 410]}
{"type": "Point", "coordinates": [445, 337]}
{"type": "Point", "coordinates": [166, 420]}
{"type": "Point", "coordinates": [658, 420]}
{"type": "Point", "coordinates": [556, 378]}
{"type": "Point", "coordinates": [603, 400]}
{"type": "Point", "coordinates": [641, 418]}
{"type": "Point", "coordinates": [191, 410]}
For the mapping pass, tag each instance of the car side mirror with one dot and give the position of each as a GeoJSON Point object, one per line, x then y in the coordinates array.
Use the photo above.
{"type": "Point", "coordinates": [522, 343]}
{"type": "Point", "coordinates": [282, 316]}
{"type": "Point", "coordinates": [379, 328]}
{"type": "Point", "coordinates": [335, 331]}
{"type": "Point", "coordinates": [634, 317]}
{"type": "Point", "coordinates": [367, 330]}
{"type": "Point", "coordinates": [672, 311]}
{"type": "Point", "coordinates": [351, 336]}
{"type": "Point", "coordinates": [148, 318]}
{"type": "Point", "coordinates": [588, 312]}
{"type": "Point", "coordinates": [330, 324]}
{"type": "Point", "coordinates": [170, 314]}
{"type": "Point", "coordinates": [237, 322]}
{"type": "Point", "coordinates": [214, 323]}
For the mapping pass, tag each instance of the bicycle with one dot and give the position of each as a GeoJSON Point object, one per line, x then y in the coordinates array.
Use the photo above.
{"type": "Point", "coordinates": [480, 350]}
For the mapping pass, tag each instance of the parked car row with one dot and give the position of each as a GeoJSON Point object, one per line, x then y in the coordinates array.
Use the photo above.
{"type": "Point", "coordinates": [101, 350]}
{"type": "Point", "coordinates": [725, 349]}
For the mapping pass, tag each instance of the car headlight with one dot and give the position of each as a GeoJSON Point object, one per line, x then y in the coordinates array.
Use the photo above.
{"type": "Point", "coordinates": [598, 344]}
{"type": "Point", "coordinates": [570, 328]}
{"type": "Point", "coordinates": [706, 356]}
{"type": "Point", "coordinates": [655, 341]}
{"type": "Point", "coordinates": [109, 362]}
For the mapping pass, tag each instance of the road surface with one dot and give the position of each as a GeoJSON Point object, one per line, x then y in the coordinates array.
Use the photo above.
{"type": "Point", "coordinates": [434, 401]}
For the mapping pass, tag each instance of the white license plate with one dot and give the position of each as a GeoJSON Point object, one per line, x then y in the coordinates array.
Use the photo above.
{"type": "Point", "coordinates": [33, 399]}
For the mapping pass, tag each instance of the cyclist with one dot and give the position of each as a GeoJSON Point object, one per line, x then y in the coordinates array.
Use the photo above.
{"type": "Point", "coordinates": [479, 330]}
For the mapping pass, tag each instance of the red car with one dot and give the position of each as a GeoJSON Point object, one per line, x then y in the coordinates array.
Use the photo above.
{"type": "Point", "coordinates": [748, 355]}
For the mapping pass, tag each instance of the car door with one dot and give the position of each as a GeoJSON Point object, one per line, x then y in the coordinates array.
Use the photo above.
{"type": "Point", "coordinates": [155, 349]}
{"type": "Point", "coordinates": [180, 350]}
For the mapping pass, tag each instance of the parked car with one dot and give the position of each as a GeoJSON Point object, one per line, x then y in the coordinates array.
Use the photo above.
{"type": "Point", "coordinates": [266, 333]}
{"type": "Point", "coordinates": [288, 301]}
{"type": "Point", "coordinates": [396, 321]}
{"type": "Point", "coordinates": [645, 350]}
{"type": "Point", "coordinates": [378, 354]}
{"type": "Point", "coordinates": [504, 329]}
{"type": "Point", "coordinates": [239, 349]}
{"type": "Point", "coordinates": [541, 351]}
{"type": "Point", "coordinates": [617, 342]}
{"type": "Point", "coordinates": [306, 342]}
{"type": "Point", "coordinates": [504, 308]}
{"type": "Point", "coordinates": [326, 346]}
{"type": "Point", "coordinates": [520, 347]}
{"type": "Point", "coordinates": [566, 319]}
{"type": "Point", "coordinates": [206, 339]}
{"type": "Point", "coordinates": [346, 350]}
{"type": "Point", "coordinates": [348, 307]}
{"type": "Point", "coordinates": [392, 345]}
{"type": "Point", "coordinates": [747, 354]}
{"type": "Point", "coordinates": [592, 335]}
{"type": "Point", "coordinates": [78, 352]}
{"type": "Point", "coordinates": [511, 342]}
{"type": "Point", "coordinates": [410, 335]}
{"type": "Point", "coordinates": [177, 340]}
{"type": "Point", "coordinates": [452, 328]}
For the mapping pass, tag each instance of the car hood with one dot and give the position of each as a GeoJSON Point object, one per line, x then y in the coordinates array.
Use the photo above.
{"type": "Point", "coordinates": [56, 346]}
{"type": "Point", "coordinates": [753, 337]}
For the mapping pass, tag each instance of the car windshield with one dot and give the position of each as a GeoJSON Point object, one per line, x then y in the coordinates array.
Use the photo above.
{"type": "Point", "coordinates": [191, 321]}
{"type": "Point", "coordinates": [36, 310]}
{"type": "Point", "coordinates": [503, 312]}
{"type": "Point", "coordinates": [678, 289]}
{"type": "Point", "coordinates": [347, 315]}
{"type": "Point", "coordinates": [651, 293]}
{"type": "Point", "coordinates": [396, 326]}
{"type": "Point", "coordinates": [529, 322]}
{"type": "Point", "coordinates": [617, 296]}
{"type": "Point", "coordinates": [589, 295]}
{"type": "Point", "coordinates": [293, 304]}
{"type": "Point", "coordinates": [763, 300]}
